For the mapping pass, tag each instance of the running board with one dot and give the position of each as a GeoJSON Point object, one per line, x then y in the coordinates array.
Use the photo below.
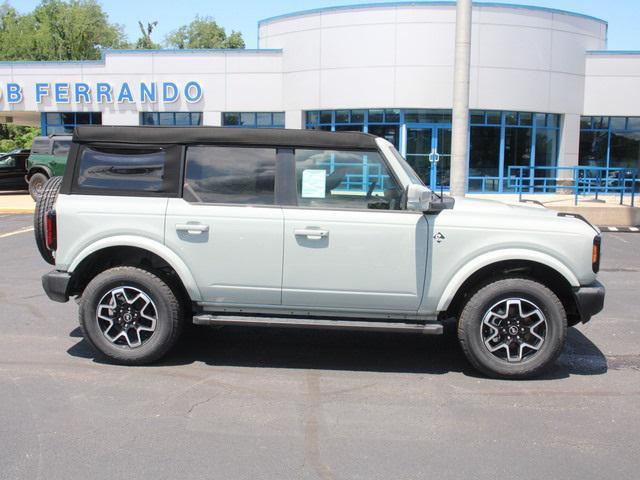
{"type": "Point", "coordinates": [424, 328]}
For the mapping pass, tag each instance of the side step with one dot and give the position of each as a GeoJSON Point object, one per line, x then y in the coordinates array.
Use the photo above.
{"type": "Point", "coordinates": [424, 328]}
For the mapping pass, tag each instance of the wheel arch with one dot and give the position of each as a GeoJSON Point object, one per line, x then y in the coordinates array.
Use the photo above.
{"type": "Point", "coordinates": [133, 251]}
{"type": "Point", "coordinates": [39, 169]}
{"type": "Point", "coordinates": [540, 267]}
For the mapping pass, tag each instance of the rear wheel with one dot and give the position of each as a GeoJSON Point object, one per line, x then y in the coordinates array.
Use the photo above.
{"type": "Point", "coordinates": [36, 185]}
{"type": "Point", "coordinates": [45, 203]}
{"type": "Point", "coordinates": [130, 315]}
{"type": "Point", "coordinates": [512, 328]}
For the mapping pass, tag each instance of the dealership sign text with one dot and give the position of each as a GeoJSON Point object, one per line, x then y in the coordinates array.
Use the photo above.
{"type": "Point", "coordinates": [105, 92]}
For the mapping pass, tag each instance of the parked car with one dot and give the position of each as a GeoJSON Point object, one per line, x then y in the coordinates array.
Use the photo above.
{"type": "Point", "coordinates": [48, 158]}
{"type": "Point", "coordinates": [155, 227]}
{"type": "Point", "coordinates": [13, 167]}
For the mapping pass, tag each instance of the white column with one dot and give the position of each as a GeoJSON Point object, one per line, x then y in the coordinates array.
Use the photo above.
{"type": "Point", "coordinates": [212, 119]}
{"type": "Point", "coordinates": [121, 117]}
{"type": "Point", "coordinates": [460, 124]}
{"type": "Point", "coordinates": [569, 142]}
{"type": "Point", "coordinates": [294, 119]}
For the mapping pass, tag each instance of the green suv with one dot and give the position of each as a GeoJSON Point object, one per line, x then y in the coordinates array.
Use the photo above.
{"type": "Point", "coordinates": [48, 159]}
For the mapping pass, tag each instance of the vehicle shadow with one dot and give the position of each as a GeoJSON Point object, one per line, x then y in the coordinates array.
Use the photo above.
{"type": "Point", "coordinates": [350, 351]}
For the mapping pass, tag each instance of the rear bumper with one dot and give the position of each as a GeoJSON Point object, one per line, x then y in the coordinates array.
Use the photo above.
{"type": "Point", "coordinates": [589, 300]}
{"type": "Point", "coordinates": [56, 285]}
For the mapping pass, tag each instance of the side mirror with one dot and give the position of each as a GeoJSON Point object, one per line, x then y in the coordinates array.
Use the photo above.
{"type": "Point", "coordinates": [418, 198]}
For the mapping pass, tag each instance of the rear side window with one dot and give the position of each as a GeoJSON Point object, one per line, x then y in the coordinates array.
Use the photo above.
{"type": "Point", "coordinates": [235, 175]}
{"type": "Point", "coordinates": [126, 170]}
{"type": "Point", "coordinates": [61, 147]}
{"type": "Point", "coordinates": [40, 147]}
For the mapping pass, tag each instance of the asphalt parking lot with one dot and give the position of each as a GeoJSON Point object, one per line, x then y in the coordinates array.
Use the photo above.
{"type": "Point", "coordinates": [254, 403]}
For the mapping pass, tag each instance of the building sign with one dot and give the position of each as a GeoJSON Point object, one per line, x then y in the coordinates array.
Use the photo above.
{"type": "Point", "coordinates": [103, 92]}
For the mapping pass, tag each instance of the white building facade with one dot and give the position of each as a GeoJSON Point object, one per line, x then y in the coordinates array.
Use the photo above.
{"type": "Point", "coordinates": [545, 92]}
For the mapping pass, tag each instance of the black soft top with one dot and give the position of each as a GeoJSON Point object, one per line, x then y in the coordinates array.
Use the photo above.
{"type": "Point", "coordinates": [277, 137]}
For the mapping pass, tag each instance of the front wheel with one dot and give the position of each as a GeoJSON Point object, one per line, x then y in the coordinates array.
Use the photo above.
{"type": "Point", "coordinates": [130, 315]}
{"type": "Point", "coordinates": [512, 328]}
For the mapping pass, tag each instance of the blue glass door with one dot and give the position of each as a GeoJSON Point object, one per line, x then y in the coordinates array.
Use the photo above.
{"type": "Point", "coordinates": [428, 151]}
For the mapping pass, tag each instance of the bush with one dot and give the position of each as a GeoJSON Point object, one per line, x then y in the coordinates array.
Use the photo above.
{"type": "Point", "coordinates": [13, 137]}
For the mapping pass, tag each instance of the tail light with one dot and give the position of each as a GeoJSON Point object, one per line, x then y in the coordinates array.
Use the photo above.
{"type": "Point", "coordinates": [50, 233]}
{"type": "Point", "coordinates": [595, 253]}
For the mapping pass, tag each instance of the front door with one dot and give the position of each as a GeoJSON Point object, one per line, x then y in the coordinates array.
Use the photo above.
{"type": "Point", "coordinates": [347, 244]}
{"type": "Point", "coordinates": [428, 151]}
{"type": "Point", "coordinates": [12, 171]}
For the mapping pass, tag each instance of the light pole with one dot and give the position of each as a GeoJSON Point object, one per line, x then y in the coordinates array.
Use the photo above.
{"type": "Point", "coordinates": [460, 124]}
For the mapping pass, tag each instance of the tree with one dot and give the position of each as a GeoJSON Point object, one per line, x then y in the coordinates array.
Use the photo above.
{"type": "Point", "coordinates": [16, 136]}
{"type": "Point", "coordinates": [145, 42]}
{"type": "Point", "coordinates": [58, 30]}
{"type": "Point", "coordinates": [203, 32]}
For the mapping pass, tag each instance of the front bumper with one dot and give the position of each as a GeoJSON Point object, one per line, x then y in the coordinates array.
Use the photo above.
{"type": "Point", "coordinates": [56, 285]}
{"type": "Point", "coordinates": [589, 300]}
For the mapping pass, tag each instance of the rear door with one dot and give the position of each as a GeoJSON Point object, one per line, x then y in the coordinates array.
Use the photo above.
{"type": "Point", "coordinates": [227, 227]}
{"type": "Point", "coordinates": [348, 245]}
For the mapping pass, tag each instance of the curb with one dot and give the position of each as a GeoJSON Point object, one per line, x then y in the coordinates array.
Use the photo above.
{"type": "Point", "coordinates": [620, 229]}
{"type": "Point", "coordinates": [15, 211]}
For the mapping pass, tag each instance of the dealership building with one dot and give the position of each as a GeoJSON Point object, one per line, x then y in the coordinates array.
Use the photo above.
{"type": "Point", "coordinates": [544, 89]}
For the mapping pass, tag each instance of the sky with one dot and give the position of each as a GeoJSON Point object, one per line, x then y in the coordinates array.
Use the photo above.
{"type": "Point", "coordinates": [243, 15]}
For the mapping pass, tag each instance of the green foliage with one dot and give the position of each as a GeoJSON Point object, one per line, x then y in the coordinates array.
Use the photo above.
{"type": "Point", "coordinates": [203, 32]}
{"type": "Point", "coordinates": [57, 30]}
{"type": "Point", "coordinates": [145, 42]}
{"type": "Point", "coordinates": [16, 136]}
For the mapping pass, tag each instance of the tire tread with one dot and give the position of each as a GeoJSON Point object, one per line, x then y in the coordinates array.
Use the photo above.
{"type": "Point", "coordinates": [43, 205]}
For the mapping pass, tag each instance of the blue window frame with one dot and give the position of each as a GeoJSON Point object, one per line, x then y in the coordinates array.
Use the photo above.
{"type": "Point", "coordinates": [382, 122]}
{"type": "Point", "coordinates": [498, 139]}
{"type": "Point", "coordinates": [183, 119]}
{"type": "Point", "coordinates": [64, 122]}
{"type": "Point", "coordinates": [253, 119]}
{"type": "Point", "coordinates": [611, 142]}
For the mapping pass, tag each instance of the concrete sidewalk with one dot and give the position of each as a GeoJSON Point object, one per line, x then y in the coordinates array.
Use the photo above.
{"type": "Point", "coordinates": [16, 202]}
{"type": "Point", "coordinates": [606, 211]}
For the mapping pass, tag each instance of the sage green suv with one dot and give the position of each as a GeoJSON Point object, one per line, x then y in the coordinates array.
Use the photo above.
{"type": "Point", "coordinates": [48, 159]}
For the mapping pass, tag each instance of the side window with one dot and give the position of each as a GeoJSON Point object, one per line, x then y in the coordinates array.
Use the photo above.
{"type": "Point", "coordinates": [135, 169]}
{"type": "Point", "coordinates": [345, 179]}
{"type": "Point", "coordinates": [235, 175]}
{"type": "Point", "coordinates": [40, 146]}
{"type": "Point", "coordinates": [8, 162]}
{"type": "Point", "coordinates": [61, 147]}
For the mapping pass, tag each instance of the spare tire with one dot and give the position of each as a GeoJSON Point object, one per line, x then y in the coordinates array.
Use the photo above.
{"type": "Point", "coordinates": [45, 203]}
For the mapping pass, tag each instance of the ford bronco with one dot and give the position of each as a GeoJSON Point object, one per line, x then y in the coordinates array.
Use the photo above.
{"type": "Point", "coordinates": [152, 228]}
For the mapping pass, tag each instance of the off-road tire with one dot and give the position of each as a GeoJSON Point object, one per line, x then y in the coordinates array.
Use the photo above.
{"type": "Point", "coordinates": [470, 321]}
{"type": "Point", "coordinates": [43, 204]}
{"type": "Point", "coordinates": [35, 181]}
{"type": "Point", "coordinates": [169, 324]}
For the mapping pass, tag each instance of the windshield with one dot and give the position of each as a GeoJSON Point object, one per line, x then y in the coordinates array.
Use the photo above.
{"type": "Point", "coordinates": [413, 176]}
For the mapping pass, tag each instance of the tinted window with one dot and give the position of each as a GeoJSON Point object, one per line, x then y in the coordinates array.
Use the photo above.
{"type": "Point", "coordinates": [230, 175]}
{"type": "Point", "coordinates": [61, 147]}
{"type": "Point", "coordinates": [40, 146]}
{"type": "Point", "coordinates": [8, 161]}
{"type": "Point", "coordinates": [119, 169]}
{"type": "Point", "coordinates": [345, 179]}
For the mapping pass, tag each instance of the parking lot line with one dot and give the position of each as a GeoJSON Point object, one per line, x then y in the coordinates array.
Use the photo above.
{"type": "Point", "coordinates": [17, 232]}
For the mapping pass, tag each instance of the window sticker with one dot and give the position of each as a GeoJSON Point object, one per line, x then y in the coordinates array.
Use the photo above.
{"type": "Point", "coordinates": [314, 183]}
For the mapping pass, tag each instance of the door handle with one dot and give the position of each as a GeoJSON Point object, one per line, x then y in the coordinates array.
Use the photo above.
{"type": "Point", "coordinates": [192, 228]}
{"type": "Point", "coordinates": [311, 233]}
